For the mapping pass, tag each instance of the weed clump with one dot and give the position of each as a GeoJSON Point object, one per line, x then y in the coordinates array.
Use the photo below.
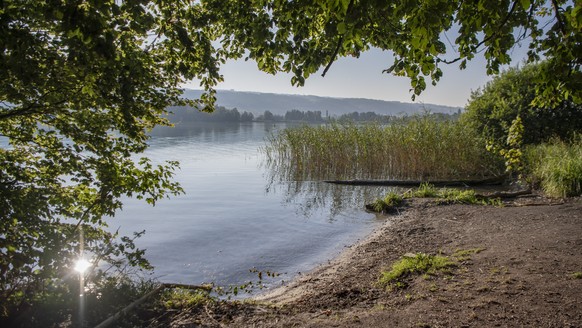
{"type": "Point", "coordinates": [465, 254]}
{"type": "Point", "coordinates": [185, 298]}
{"type": "Point", "coordinates": [419, 263]}
{"type": "Point", "coordinates": [427, 190]}
{"type": "Point", "coordinates": [387, 204]}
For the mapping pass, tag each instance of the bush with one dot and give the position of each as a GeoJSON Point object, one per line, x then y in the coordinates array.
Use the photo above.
{"type": "Point", "coordinates": [492, 111]}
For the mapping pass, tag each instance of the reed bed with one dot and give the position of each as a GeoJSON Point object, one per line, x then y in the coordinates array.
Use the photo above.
{"type": "Point", "coordinates": [556, 167]}
{"type": "Point", "coordinates": [417, 149]}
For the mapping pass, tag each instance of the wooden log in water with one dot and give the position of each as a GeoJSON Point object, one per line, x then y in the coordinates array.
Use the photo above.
{"type": "Point", "coordinates": [506, 194]}
{"type": "Point", "coordinates": [415, 183]}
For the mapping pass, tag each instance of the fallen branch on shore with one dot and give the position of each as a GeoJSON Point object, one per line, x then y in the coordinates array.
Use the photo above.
{"type": "Point", "coordinates": [415, 183]}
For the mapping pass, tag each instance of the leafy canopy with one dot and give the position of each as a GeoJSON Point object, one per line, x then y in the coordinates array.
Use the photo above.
{"type": "Point", "coordinates": [492, 109]}
{"type": "Point", "coordinates": [303, 36]}
{"type": "Point", "coordinates": [82, 82]}
{"type": "Point", "coordinates": [503, 114]}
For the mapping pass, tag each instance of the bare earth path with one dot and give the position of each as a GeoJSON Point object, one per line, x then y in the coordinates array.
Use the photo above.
{"type": "Point", "coordinates": [521, 276]}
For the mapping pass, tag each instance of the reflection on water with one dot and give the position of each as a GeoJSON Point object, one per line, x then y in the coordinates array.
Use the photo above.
{"type": "Point", "coordinates": [236, 215]}
{"type": "Point", "coordinates": [309, 196]}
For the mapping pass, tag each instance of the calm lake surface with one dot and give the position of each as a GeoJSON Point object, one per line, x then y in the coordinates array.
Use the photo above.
{"type": "Point", "coordinates": [235, 215]}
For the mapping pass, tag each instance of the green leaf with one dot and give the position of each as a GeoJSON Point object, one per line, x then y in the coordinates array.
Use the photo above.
{"type": "Point", "coordinates": [341, 28]}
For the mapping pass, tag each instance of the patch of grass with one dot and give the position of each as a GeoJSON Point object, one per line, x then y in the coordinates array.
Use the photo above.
{"type": "Point", "coordinates": [419, 263]}
{"type": "Point", "coordinates": [465, 254]}
{"type": "Point", "coordinates": [458, 196]}
{"type": "Point", "coordinates": [577, 275]}
{"type": "Point", "coordinates": [425, 190]}
{"type": "Point", "coordinates": [185, 298]}
{"type": "Point", "coordinates": [433, 287]}
{"type": "Point", "coordinates": [388, 203]}
{"type": "Point", "coordinates": [556, 167]}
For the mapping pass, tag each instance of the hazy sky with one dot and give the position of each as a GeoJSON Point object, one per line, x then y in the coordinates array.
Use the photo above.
{"type": "Point", "coordinates": [362, 78]}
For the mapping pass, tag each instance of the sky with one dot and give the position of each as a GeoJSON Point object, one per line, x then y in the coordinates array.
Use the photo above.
{"type": "Point", "coordinates": [363, 78]}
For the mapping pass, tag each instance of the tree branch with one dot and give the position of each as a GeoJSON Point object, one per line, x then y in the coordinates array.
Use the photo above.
{"type": "Point", "coordinates": [559, 18]}
{"type": "Point", "coordinates": [487, 39]}
{"type": "Point", "coordinates": [339, 44]}
{"type": "Point", "coordinates": [332, 59]}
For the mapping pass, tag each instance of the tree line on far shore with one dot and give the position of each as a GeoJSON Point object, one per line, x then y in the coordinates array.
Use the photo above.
{"type": "Point", "coordinates": [222, 114]}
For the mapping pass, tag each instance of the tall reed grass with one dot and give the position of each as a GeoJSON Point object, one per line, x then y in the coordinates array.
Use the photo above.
{"type": "Point", "coordinates": [556, 166]}
{"type": "Point", "coordinates": [417, 149]}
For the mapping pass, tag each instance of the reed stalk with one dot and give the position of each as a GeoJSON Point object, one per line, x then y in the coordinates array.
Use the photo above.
{"type": "Point", "coordinates": [418, 149]}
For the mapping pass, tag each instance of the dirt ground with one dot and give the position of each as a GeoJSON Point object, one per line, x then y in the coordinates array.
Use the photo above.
{"type": "Point", "coordinates": [522, 274]}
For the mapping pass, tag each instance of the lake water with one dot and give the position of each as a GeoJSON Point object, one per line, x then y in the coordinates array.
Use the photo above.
{"type": "Point", "coordinates": [234, 216]}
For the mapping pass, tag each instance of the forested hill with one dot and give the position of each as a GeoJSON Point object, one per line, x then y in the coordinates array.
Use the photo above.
{"type": "Point", "coordinates": [279, 104]}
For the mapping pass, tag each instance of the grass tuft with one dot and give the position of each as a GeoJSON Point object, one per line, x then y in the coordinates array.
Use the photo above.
{"type": "Point", "coordinates": [419, 263]}
{"type": "Point", "coordinates": [465, 254]}
{"type": "Point", "coordinates": [556, 167]}
{"type": "Point", "coordinates": [185, 298]}
{"type": "Point", "coordinates": [388, 203]}
{"type": "Point", "coordinates": [425, 190]}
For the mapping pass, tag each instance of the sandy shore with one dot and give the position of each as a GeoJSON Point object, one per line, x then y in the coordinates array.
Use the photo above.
{"type": "Point", "coordinates": [524, 272]}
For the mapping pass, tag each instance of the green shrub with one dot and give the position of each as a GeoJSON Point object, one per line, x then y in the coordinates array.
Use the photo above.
{"type": "Point", "coordinates": [492, 110]}
{"type": "Point", "coordinates": [556, 167]}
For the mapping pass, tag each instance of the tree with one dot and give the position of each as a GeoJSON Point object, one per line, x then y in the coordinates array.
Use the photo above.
{"type": "Point", "coordinates": [303, 36]}
{"type": "Point", "coordinates": [82, 82]}
{"type": "Point", "coordinates": [492, 110]}
{"type": "Point", "coordinates": [502, 113]}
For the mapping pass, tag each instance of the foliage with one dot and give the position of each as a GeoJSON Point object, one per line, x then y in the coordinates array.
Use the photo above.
{"type": "Point", "coordinates": [556, 166]}
{"type": "Point", "coordinates": [418, 148]}
{"type": "Point", "coordinates": [185, 114]}
{"type": "Point", "coordinates": [386, 119]}
{"type": "Point", "coordinates": [506, 117]}
{"type": "Point", "coordinates": [302, 37]}
{"type": "Point", "coordinates": [308, 116]}
{"type": "Point", "coordinates": [419, 263]}
{"type": "Point", "coordinates": [82, 82]}
{"type": "Point", "coordinates": [107, 290]}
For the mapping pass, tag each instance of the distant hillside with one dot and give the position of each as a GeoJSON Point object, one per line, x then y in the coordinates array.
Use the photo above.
{"type": "Point", "coordinates": [278, 104]}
